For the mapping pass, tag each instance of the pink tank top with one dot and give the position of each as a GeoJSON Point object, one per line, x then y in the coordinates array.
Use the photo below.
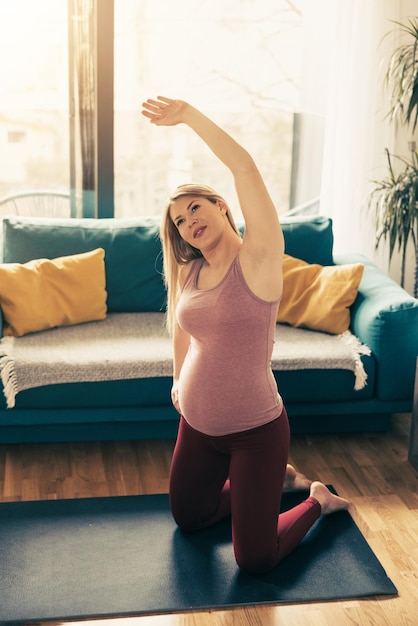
{"type": "Point", "coordinates": [226, 383]}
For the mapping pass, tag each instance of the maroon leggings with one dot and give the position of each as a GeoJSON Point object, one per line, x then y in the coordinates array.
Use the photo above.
{"type": "Point", "coordinates": [241, 475]}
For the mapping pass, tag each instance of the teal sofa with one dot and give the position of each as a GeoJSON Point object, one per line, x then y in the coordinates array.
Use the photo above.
{"type": "Point", "coordinates": [383, 316]}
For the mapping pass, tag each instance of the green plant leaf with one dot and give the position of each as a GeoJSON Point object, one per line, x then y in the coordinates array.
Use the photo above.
{"type": "Point", "coordinates": [401, 77]}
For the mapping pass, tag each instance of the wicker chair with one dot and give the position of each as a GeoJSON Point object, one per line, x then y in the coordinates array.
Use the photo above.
{"type": "Point", "coordinates": [36, 203]}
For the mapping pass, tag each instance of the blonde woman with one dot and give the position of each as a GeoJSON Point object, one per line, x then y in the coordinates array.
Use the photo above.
{"type": "Point", "coordinates": [224, 291]}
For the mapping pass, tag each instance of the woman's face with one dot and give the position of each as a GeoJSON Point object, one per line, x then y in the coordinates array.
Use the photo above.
{"type": "Point", "coordinates": [199, 221]}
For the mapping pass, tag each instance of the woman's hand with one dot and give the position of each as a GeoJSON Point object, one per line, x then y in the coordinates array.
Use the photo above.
{"type": "Point", "coordinates": [164, 111]}
{"type": "Point", "coordinates": [175, 396]}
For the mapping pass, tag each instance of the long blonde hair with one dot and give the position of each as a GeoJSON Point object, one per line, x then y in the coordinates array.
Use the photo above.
{"type": "Point", "coordinates": [176, 251]}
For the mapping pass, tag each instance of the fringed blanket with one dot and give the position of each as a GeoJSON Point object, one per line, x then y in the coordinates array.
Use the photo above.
{"type": "Point", "coordinates": [136, 345]}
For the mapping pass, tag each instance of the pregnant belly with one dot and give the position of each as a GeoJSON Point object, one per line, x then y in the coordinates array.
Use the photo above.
{"type": "Point", "coordinates": [218, 401]}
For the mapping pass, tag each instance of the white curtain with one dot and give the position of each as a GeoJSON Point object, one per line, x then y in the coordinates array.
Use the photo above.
{"type": "Point", "coordinates": [356, 131]}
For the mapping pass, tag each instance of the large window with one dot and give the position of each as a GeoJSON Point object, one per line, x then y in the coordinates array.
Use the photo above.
{"type": "Point", "coordinates": [239, 60]}
{"type": "Point", "coordinates": [34, 132]}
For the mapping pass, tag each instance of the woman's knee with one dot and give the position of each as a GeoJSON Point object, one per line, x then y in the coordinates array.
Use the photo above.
{"type": "Point", "coordinates": [184, 519]}
{"type": "Point", "coordinates": [254, 562]}
{"type": "Point", "coordinates": [185, 516]}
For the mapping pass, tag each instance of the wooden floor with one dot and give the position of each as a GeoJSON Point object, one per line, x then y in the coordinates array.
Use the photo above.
{"type": "Point", "coordinates": [370, 469]}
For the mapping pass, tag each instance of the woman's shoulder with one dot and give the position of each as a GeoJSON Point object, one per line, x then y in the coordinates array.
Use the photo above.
{"type": "Point", "coordinates": [187, 270]}
{"type": "Point", "coordinates": [183, 273]}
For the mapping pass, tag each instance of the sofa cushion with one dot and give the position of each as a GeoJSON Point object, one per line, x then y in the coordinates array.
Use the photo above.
{"type": "Point", "coordinates": [318, 297]}
{"type": "Point", "coordinates": [132, 253]}
{"type": "Point", "coordinates": [309, 238]}
{"type": "Point", "coordinates": [45, 293]}
{"type": "Point", "coordinates": [133, 257]}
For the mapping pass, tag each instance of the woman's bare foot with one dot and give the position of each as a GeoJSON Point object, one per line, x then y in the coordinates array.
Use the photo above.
{"type": "Point", "coordinates": [294, 481]}
{"type": "Point", "coordinates": [330, 503]}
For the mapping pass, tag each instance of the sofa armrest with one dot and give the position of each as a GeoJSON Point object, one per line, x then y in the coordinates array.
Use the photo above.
{"type": "Point", "coordinates": [385, 317]}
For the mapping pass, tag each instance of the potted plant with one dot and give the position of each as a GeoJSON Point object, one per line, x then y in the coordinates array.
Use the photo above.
{"type": "Point", "coordinates": [395, 202]}
{"type": "Point", "coordinates": [402, 77]}
{"type": "Point", "coordinates": [394, 199]}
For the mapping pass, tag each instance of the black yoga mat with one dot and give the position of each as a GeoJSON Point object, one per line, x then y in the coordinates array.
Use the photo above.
{"type": "Point", "coordinates": [97, 557]}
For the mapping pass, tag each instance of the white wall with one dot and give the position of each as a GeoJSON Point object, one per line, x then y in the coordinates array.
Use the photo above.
{"type": "Point", "coordinates": [357, 128]}
{"type": "Point", "coordinates": [408, 8]}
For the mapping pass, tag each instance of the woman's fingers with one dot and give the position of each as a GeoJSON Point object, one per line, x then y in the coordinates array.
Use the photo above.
{"type": "Point", "coordinates": [152, 106]}
{"type": "Point", "coordinates": [157, 105]}
{"type": "Point", "coordinates": [163, 111]}
{"type": "Point", "coordinates": [164, 99]}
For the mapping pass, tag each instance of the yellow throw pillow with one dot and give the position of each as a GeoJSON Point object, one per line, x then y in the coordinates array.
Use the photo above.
{"type": "Point", "coordinates": [47, 293]}
{"type": "Point", "coordinates": [317, 296]}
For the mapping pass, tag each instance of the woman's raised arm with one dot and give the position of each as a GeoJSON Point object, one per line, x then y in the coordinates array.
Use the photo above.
{"type": "Point", "coordinates": [263, 235]}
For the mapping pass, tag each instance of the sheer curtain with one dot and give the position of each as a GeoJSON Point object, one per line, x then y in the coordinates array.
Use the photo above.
{"type": "Point", "coordinates": [356, 130]}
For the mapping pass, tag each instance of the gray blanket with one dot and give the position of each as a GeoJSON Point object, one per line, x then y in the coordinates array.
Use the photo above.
{"type": "Point", "coordinates": [136, 345]}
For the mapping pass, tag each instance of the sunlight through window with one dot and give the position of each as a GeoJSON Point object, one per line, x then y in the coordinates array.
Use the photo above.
{"type": "Point", "coordinates": [34, 131]}
{"type": "Point", "coordinates": [238, 60]}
